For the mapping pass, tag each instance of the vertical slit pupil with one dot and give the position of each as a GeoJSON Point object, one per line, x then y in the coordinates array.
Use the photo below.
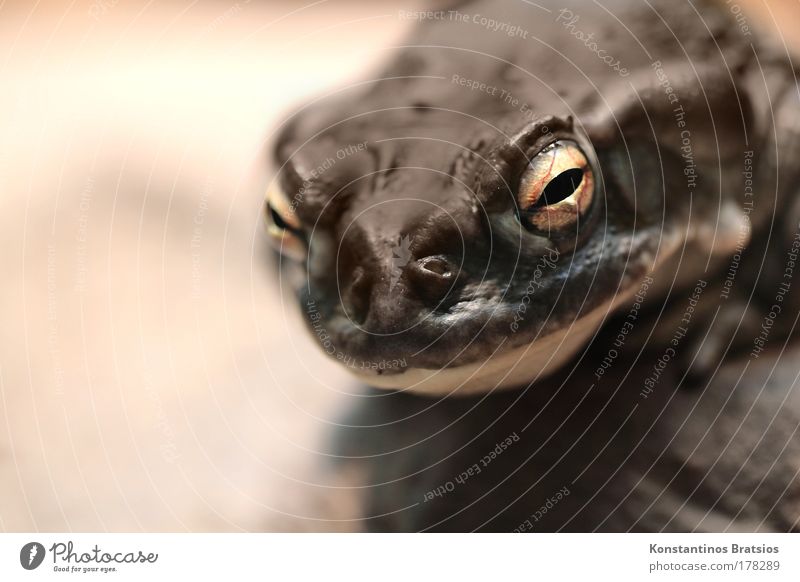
{"type": "Point", "coordinates": [561, 187]}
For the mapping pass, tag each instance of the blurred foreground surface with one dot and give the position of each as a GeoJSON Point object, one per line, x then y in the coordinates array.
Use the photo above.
{"type": "Point", "coordinates": [150, 376]}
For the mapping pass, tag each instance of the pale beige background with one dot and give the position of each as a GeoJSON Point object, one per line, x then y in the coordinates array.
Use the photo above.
{"type": "Point", "coordinates": [150, 378]}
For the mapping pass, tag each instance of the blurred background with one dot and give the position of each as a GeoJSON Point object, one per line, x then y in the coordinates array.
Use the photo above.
{"type": "Point", "coordinates": [151, 377]}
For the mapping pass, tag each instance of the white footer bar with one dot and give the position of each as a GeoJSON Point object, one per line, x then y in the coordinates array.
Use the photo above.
{"type": "Point", "coordinates": [389, 557]}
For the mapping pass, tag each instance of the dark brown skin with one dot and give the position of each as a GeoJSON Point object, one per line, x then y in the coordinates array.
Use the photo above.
{"type": "Point", "coordinates": [665, 123]}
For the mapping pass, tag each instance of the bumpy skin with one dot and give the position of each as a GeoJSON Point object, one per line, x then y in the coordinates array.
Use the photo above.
{"type": "Point", "coordinates": [441, 166]}
{"type": "Point", "coordinates": [723, 460]}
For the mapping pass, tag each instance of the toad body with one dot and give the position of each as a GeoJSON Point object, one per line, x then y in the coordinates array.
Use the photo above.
{"type": "Point", "coordinates": [593, 202]}
{"type": "Point", "coordinates": [468, 218]}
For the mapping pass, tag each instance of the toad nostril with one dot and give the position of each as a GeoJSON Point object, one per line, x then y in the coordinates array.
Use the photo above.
{"type": "Point", "coordinates": [434, 278]}
{"type": "Point", "coordinates": [437, 266]}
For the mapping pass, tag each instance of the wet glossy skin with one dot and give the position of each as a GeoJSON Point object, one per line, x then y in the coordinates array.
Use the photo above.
{"type": "Point", "coordinates": [402, 194]}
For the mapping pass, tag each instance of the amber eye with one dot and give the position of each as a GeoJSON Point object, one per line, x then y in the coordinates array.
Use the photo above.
{"type": "Point", "coordinates": [556, 189]}
{"type": "Point", "coordinates": [283, 227]}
